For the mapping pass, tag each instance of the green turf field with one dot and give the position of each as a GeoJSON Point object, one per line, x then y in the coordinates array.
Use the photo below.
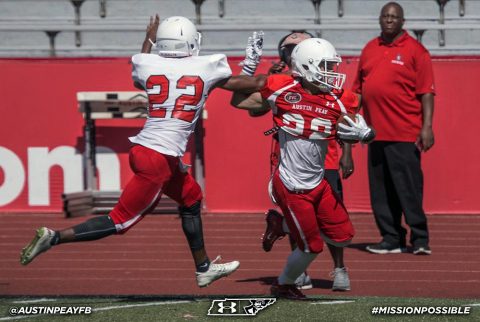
{"type": "Point", "coordinates": [320, 308]}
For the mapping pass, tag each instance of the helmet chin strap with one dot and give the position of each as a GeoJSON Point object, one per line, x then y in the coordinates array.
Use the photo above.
{"type": "Point", "coordinates": [314, 88]}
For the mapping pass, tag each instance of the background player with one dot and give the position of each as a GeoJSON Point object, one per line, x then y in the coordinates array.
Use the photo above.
{"type": "Point", "coordinates": [306, 107]}
{"type": "Point", "coordinates": [274, 219]}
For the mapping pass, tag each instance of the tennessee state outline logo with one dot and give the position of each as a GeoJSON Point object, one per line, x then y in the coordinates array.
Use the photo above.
{"type": "Point", "coordinates": [239, 307]}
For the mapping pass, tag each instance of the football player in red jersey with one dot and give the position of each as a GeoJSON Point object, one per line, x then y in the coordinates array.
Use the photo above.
{"type": "Point", "coordinates": [275, 221]}
{"type": "Point", "coordinates": [306, 106]}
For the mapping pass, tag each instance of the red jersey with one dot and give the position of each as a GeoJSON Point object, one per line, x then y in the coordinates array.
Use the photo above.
{"type": "Point", "coordinates": [302, 114]}
{"type": "Point", "coordinates": [390, 77]}
{"type": "Point", "coordinates": [307, 124]}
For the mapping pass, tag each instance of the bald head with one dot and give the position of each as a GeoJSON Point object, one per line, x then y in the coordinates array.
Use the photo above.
{"type": "Point", "coordinates": [391, 21]}
{"type": "Point", "coordinates": [397, 7]}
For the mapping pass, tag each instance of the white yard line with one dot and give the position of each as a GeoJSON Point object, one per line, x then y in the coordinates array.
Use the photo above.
{"type": "Point", "coordinates": [332, 302]}
{"type": "Point", "coordinates": [138, 305]}
{"type": "Point", "coordinates": [34, 301]}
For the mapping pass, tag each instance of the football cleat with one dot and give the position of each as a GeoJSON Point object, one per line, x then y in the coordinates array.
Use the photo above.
{"type": "Point", "coordinates": [216, 271]}
{"type": "Point", "coordinates": [274, 229]}
{"type": "Point", "coordinates": [287, 291]}
{"type": "Point", "coordinates": [304, 282]}
{"type": "Point", "coordinates": [341, 281]}
{"type": "Point", "coordinates": [39, 244]}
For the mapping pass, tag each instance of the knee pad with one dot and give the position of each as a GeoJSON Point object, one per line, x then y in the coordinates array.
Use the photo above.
{"type": "Point", "coordinates": [193, 210]}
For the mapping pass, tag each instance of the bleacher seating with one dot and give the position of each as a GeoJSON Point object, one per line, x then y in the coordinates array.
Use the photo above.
{"type": "Point", "coordinates": [36, 28]}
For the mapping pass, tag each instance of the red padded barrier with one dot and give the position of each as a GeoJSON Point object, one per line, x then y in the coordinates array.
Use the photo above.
{"type": "Point", "coordinates": [38, 111]}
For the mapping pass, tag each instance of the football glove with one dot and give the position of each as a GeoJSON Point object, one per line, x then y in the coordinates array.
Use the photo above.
{"type": "Point", "coordinates": [358, 130]}
{"type": "Point", "coordinates": [253, 53]}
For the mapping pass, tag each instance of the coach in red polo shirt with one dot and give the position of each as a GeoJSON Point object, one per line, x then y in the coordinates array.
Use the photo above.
{"type": "Point", "coordinates": [395, 79]}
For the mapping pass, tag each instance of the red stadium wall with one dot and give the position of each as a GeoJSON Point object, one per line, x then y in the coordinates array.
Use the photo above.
{"type": "Point", "coordinates": [41, 139]}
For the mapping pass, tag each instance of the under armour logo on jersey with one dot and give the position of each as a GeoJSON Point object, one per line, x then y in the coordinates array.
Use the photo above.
{"type": "Point", "coordinates": [239, 307]}
{"type": "Point", "coordinates": [231, 307]}
{"type": "Point", "coordinates": [330, 104]}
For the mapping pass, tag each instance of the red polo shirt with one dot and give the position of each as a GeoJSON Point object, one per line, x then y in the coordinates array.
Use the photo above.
{"type": "Point", "coordinates": [390, 79]}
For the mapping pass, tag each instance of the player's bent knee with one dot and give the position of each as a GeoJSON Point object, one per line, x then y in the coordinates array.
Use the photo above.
{"type": "Point", "coordinates": [313, 247]}
{"type": "Point", "coordinates": [193, 210]}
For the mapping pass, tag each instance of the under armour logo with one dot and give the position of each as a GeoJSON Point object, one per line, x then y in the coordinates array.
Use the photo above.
{"type": "Point", "coordinates": [231, 307]}
{"type": "Point", "coordinates": [330, 104]}
{"type": "Point", "coordinates": [239, 307]}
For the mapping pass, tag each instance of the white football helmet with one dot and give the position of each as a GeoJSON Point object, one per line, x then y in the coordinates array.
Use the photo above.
{"type": "Point", "coordinates": [316, 61]}
{"type": "Point", "coordinates": [178, 37]}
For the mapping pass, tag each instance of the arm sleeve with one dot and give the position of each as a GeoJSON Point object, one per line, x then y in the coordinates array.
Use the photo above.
{"type": "Point", "coordinates": [424, 69]}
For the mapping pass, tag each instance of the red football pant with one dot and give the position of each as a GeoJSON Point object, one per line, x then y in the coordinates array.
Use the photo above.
{"type": "Point", "coordinates": [155, 174]}
{"type": "Point", "coordinates": [313, 214]}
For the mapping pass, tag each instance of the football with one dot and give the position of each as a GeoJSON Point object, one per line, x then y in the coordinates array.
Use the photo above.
{"type": "Point", "coordinates": [341, 119]}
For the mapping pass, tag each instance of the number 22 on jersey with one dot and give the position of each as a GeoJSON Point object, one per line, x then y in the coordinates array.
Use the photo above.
{"type": "Point", "coordinates": [160, 98]}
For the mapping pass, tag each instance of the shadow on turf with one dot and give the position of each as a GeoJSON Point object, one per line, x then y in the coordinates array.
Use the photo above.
{"type": "Point", "coordinates": [268, 280]}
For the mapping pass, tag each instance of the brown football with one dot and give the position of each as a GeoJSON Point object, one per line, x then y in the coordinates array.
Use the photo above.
{"type": "Point", "coordinates": [341, 119]}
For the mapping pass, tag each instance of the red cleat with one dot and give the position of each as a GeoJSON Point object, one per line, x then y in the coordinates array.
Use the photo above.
{"type": "Point", "coordinates": [287, 291]}
{"type": "Point", "coordinates": [274, 229]}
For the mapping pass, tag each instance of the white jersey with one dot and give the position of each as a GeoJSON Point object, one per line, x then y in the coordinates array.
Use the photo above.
{"type": "Point", "coordinates": [177, 89]}
{"type": "Point", "coordinates": [301, 161]}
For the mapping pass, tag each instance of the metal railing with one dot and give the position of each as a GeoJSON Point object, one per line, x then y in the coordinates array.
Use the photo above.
{"type": "Point", "coordinates": [316, 23]}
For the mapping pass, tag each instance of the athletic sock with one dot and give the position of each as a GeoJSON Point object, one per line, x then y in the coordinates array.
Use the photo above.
{"type": "Point", "coordinates": [297, 263]}
{"type": "Point", "coordinates": [204, 266]}
{"type": "Point", "coordinates": [56, 239]}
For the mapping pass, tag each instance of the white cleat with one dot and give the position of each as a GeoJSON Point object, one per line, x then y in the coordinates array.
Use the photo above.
{"type": "Point", "coordinates": [304, 282]}
{"type": "Point", "coordinates": [216, 271]}
{"type": "Point", "coordinates": [39, 244]}
{"type": "Point", "coordinates": [341, 281]}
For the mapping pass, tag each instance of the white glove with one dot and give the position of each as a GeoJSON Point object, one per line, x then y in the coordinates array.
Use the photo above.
{"type": "Point", "coordinates": [253, 53]}
{"type": "Point", "coordinates": [358, 130]}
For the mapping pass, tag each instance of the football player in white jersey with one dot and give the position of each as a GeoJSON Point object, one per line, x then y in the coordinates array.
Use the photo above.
{"type": "Point", "coordinates": [177, 82]}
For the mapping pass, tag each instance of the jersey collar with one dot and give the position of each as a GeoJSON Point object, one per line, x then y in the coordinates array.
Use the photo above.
{"type": "Point", "coordinates": [399, 42]}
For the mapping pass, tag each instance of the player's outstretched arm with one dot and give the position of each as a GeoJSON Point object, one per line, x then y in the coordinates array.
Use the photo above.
{"type": "Point", "coordinates": [151, 34]}
{"type": "Point", "coordinates": [254, 103]}
{"type": "Point", "coordinates": [246, 85]}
